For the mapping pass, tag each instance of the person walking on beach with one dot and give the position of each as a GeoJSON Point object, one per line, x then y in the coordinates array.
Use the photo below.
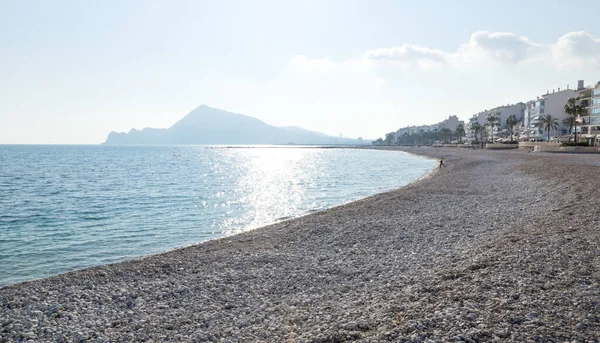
{"type": "Point", "coordinates": [442, 163]}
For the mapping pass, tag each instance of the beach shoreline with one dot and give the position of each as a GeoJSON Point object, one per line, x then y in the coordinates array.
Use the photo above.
{"type": "Point", "coordinates": [145, 202]}
{"type": "Point", "coordinates": [430, 173]}
{"type": "Point", "coordinates": [486, 249]}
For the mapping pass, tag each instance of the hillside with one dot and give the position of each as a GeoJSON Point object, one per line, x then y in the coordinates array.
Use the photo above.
{"type": "Point", "coordinates": [206, 125]}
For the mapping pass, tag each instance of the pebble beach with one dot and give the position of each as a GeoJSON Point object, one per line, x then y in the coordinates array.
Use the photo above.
{"type": "Point", "coordinates": [498, 246]}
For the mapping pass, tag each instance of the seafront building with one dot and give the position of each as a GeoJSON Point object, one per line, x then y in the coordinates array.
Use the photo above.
{"type": "Point", "coordinates": [501, 111]}
{"type": "Point", "coordinates": [411, 130]}
{"type": "Point", "coordinates": [451, 123]}
{"type": "Point", "coordinates": [552, 103]}
{"type": "Point", "coordinates": [478, 118]}
{"type": "Point", "coordinates": [589, 98]}
{"type": "Point", "coordinates": [528, 116]}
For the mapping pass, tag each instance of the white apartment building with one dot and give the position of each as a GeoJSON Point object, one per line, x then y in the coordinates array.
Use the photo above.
{"type": "Point", "coordinates": [594, 108]}
{"type": "Point", "coordinates": [414, 129]}
{"type": "Point", "coordinates": [528, 115]}
{"type": "Point", "coordinates": [503, 112]}
{"type": "Point", "coordinates": [552, 103]}
{"type": "Point", "coordinates": [590, 99]}
{"type": "Point", "coordinates": [451, 123]}
{"type": "Point", "coordinates": [478, 118]}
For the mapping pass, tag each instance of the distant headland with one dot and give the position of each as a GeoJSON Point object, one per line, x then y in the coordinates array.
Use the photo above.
{"type": "Point", "coordinates": [206, 125]}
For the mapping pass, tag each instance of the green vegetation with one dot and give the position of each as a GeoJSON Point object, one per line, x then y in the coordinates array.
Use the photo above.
{"type": "Point", "coordinates": [475, 127]}
{"type": "Point", "coordinates": [511, 122]}
{"type": "Point", "coordinates": [460, 132]}
{"type": "Point", "coordinates": [492, 121]}
{"type": "Point", "coordinates": [548, 123]}
{"type": "Point", "coordinates": [574, 110]}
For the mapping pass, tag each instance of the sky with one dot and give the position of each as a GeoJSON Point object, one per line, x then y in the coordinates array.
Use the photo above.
{"type": "Point", "coordinates": [72, 71]}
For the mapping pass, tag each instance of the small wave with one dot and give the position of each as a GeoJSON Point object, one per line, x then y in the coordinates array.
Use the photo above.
{"type": "Point", "coordinates": [168, 205]}
{"type": "Point", "coordinates": [283, 218]}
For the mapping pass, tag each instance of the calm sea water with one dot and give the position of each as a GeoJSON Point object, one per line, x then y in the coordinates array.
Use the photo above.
{"type": "Point", "coordinates": [69, 207]}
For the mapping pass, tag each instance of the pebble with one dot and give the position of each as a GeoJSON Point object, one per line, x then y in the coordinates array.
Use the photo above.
{"type": "Point", "coordinates": [471, 253]}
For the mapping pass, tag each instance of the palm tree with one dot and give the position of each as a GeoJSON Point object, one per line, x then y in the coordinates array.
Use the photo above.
{"type": "Point", "coordinates": [571, 111]}
{"type": "Point", "coordinates": [511, 121]}
{"type": "Point", "coordinates": [574, 109]}
{"type": "Point", "coordinates": [436, 131]}
{"type": "Point", "coordinates": [492, 120]}
{"type": "Point", "coordinates": [405, 137]}
{"type": "Point", "coordinates": [476, 127]}
{"type": "Point", "coordinates": [378, 141]}
{"type": "Point", "coordinates": [460, 132]}
{"type": "Point", "coordinates": [446, 132]}
{"type": "Point", "coordinates": [483, 134]}
{"type": "Point", "coordinates": [389, 138]}
{"type": "Point", "coordinates": [571, 121]}
{"type": "Point", "coordinates": [548, 123]}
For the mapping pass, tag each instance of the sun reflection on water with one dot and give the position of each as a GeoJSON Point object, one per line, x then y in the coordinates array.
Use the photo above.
{"type": "Point", "coordinates": [273, 185]}
{"type": "Point", "coordinates": [71, 207]}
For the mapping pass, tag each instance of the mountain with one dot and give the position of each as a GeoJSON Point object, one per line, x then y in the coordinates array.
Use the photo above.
{"type": "Point", "coordinates": [206, 125]}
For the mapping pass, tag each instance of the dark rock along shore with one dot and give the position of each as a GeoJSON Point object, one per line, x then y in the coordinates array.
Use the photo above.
{"type": "Point", "coordinates": [500, 246]}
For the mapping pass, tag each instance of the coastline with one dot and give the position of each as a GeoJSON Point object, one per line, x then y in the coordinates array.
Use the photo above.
{"type": "Point", "coordinates": [497, 246]}
{"type": "Point", "coordinates": [250, 196]}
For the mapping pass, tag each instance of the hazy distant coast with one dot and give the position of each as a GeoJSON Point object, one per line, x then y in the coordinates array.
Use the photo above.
{"type": "Point", "coordinates": [207, 125]}
{"type": "Point", "coordinates": [498, 246]}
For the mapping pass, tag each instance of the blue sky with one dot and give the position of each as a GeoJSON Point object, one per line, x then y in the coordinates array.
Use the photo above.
{"type": "Point", "coordinates": [72, 71]}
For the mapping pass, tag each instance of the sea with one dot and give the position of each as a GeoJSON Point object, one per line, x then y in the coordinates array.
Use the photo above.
{"type": "Point", "coordinates": [64, 208]}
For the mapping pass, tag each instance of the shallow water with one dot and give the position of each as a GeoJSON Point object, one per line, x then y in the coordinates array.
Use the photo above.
{"type": "Point", "coordinates": [69, 207]}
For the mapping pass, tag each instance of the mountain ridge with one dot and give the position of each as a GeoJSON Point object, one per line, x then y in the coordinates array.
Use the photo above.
{"type": "Point", "coordinates": [207, 125]}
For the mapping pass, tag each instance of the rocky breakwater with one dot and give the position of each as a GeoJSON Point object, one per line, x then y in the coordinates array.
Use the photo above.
{"type": "Point", "coordinates": [500, 246]}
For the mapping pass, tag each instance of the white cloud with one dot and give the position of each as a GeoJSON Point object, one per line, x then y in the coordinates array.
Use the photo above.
{"type": "Point", "coordinates": [384, 89]}
{"type": "Point", "coordinates": [576, 48]}
{"type": "Point", "coordinates": [407, 55]}
{"type": "Point", "coordinates": [504, 47]}
{"type": "Point", "coordinates": [485, 47]}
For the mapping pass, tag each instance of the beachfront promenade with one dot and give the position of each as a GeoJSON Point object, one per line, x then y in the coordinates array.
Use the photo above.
{"type": "Point", "coordinates": [499, 246]}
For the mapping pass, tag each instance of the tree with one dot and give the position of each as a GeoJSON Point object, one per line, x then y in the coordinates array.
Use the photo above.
{"type": "Point", "coordinates": [571, 121]}
{"type": "Point", "coordinates": [445, 132]}
{"type": "Point", "coordinates": [511, 121]}
{"type": "Point", "coordinates": [492, 120]}
{"type": "Point", "coordinates": [429, 137]}
{"type": "Point", "coordinates": [574, 109]}
{"type": "Point", "coordinates": [548, 123]}
{"type": "Point", "coordinates": [389, 138]}
{"type": "Point", "coordinates": [476, 127]}
{"type": "Point", "coordinates": [460, 132]}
